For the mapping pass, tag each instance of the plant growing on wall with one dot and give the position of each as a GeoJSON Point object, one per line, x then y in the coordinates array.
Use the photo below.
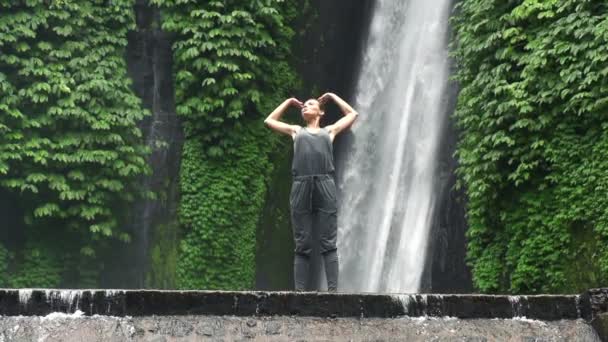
{"type": "Point", "coordinates": [532, 115]}
{"type": "Point", "coordinates": [70, 147]}
{"type": "Point", "coordinates": [231, 66]}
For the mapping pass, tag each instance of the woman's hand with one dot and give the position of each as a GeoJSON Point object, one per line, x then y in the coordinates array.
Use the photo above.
{"type": "Point", "coordinates": [325, 97]}
{"type": "Point", "coordinates": [349, 114]}
{"type": "Point", "coordinates": [295, 102]}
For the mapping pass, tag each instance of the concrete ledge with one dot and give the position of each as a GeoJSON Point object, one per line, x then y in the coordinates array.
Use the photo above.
{"type": "Point", "coordinates": [598, 302]}
{"type": "Point", "coordinates": [39, 302]}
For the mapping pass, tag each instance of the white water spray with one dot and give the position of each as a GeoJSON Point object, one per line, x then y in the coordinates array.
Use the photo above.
{"type": "Point", "coordinates": [388, 186]}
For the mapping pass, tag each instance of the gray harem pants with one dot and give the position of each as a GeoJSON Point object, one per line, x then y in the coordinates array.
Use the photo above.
{"type": "Point", "coordinates": [314, 195]}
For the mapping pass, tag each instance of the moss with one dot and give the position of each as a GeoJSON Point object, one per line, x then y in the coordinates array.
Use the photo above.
{"type": "Point", "coordinates": [582, 271]}
{"type": "Point", "coordinates": [4, 263]}
{"type": "Point", "coordinates": [274, 256]}
{"type": "Point", "coordinates": [163, 256]}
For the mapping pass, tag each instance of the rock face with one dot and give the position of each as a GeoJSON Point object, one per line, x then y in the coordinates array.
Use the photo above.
{"type": "Point", "coordinates": [144, 315]}
{"type": "Point", "coordinates": [150, 61]}
{"type": "Point", "coordinates": [445, 269]}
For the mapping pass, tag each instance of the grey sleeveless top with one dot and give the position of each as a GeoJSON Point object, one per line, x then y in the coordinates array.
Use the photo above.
{"type": "Point", "coordinates": [312, 153]}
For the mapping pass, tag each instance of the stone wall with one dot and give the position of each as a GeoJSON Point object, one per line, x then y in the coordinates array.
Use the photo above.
{"type": "Point", "coordinates": [286, 328]}
{"type": "Point", "coordinates": [46, 314]}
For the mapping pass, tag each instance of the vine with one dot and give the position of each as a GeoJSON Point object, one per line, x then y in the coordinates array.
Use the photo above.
{"type": "Point", "coordinates": [70, 147]}
{"type": "Point", "coordinates": [231, 67]}
{"type": "Point", "coordinates": [533, 132]}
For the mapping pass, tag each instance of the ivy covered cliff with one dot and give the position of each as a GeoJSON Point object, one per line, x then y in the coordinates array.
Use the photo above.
{"type": "Point", "coordinates": [533, 136]}
{"type": "Point", "coordinates": [133, 149]}
{"type": "Point", "coordinates": [133, 154]}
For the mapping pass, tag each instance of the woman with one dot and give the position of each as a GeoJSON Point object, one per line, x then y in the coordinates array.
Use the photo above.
{"type": "Point", "coordinates": [313, 191]}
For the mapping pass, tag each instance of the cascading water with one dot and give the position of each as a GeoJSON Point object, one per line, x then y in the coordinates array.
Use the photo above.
{"type": "Point", "coordinates": [388, 184]}
{"type": "Point", "coordinates": [149, 61]}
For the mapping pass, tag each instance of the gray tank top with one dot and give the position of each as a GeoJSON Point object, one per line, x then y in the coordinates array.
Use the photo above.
{"type": "Point", "coordinates": [312, 153]}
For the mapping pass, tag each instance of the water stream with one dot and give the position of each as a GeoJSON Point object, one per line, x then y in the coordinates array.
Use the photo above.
{"type": "Point", "coordinates": [388, 186]}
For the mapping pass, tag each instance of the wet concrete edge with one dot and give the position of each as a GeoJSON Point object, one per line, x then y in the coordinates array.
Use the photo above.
{"type": "Point", "coordinates": [592, 305]}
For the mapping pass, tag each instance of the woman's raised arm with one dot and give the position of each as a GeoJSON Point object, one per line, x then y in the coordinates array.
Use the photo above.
{"type": "Point", "coordinates": [350, 115]}
{"type": "Point", "coordinates": [273, 122]}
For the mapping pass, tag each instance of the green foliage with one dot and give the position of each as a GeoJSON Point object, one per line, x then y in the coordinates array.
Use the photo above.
{"type": "Point", "coordinates": [163, 257]}
{"type": "Point", "coordinates": [221, 203]}
{"type": "Point", "coordinates": [231, 68]}
{"type": "Point", "coordinates": [223, 55]}
{"type": "Point", "coordinates": [41, 266]}
{"type": "Point", "coordinates": [274, 246]}
{"type": "Point", "coordinates": [69, 142]}
{"type": "Point", "coordinates": [5, 257]}
{"type": "Point", "coordinates": [531, 111]}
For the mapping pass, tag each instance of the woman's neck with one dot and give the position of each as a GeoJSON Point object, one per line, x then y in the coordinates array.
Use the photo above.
{"type": "Point", "coordinates": [313, 124]}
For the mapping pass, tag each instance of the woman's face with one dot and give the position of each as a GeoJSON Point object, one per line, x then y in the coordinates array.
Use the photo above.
{"type": "Point", "coordinates": [311, 110]}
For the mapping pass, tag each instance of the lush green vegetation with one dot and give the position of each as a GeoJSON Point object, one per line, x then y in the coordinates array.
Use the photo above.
{"type": "Point", "coordinates": [532, 115]}
{"type": "Point", "coordinates": [231, 68]}
{"type": "Point", "coordinates": [70, 149]}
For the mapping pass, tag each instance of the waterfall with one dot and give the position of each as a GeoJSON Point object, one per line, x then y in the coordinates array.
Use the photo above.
{"type": "Point", "coordinates": [388, 182]}
{"type": "Point", "coordinates": [149, 62]}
